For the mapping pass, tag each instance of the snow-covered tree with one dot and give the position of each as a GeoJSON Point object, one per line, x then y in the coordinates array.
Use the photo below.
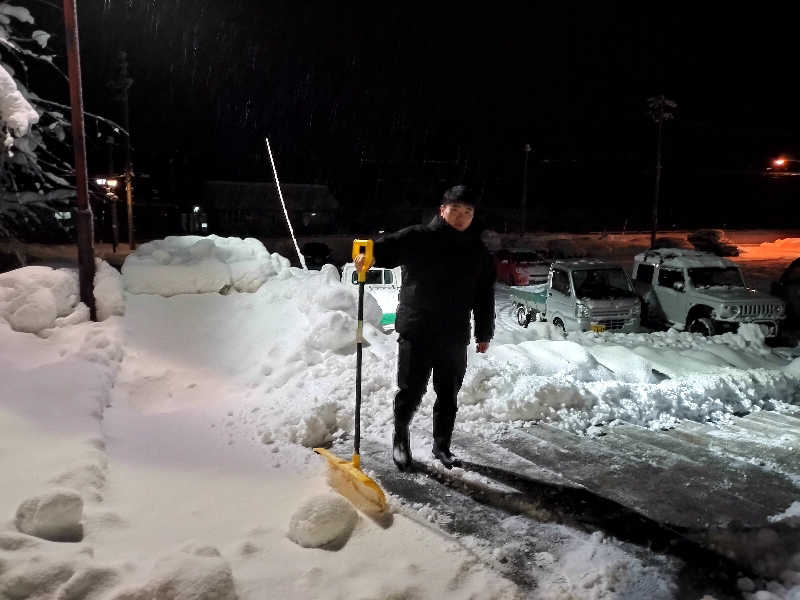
{"type": "Point", "coordinates": [33, 170]}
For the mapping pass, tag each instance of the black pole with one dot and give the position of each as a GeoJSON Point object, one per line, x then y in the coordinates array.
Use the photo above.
{"type": "Point", "coordinates": [112, 196]}
{"type": "Point", "coordinates": [122, 85]}
{"type": "Point", "coordinates": [357, 440]}
{"type": "Point", "coordinates": [658, 178]}
{"type": "Point", "coordinates": [524, 200]}
{"type": "Point", "coordinates": [85, 224]}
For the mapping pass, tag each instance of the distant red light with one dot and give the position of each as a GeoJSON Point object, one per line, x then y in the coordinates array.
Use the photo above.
{"type": "Point", "coordinates": [779, 162]}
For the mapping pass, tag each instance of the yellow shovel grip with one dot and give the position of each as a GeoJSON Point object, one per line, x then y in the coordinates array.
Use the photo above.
{"type": "Point", "coordinates": [363, 247]}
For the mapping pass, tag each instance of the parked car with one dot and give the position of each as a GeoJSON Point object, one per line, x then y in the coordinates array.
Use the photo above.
{"type": "Point", "coordinates": [521, 267]}
{"type": "Point", "coordinates": [787, 288]}
{"type": "Point", "coordinates": [700, 292]}
{"type": "Point", "coordinates": [383, 284]}
{"type": "Point", "coordinates": [714, 241]}
{"type": "Point", "coordinates": [581, 295]}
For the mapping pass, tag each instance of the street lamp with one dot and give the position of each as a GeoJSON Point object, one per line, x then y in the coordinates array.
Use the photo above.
{"type": "Point", "coordinates": [524, 200]}
{"type": "Point", "coordinates": [110, 184]}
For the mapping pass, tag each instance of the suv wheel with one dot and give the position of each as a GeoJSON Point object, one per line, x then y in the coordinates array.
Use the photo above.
{"type": "Point", "coordinates": [702, 325]}
{"type": "Point", "coordinates": [522, 316]}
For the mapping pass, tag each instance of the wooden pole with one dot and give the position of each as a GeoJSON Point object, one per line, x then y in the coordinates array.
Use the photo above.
{"type": "Point", "coordinates": [85, 222]}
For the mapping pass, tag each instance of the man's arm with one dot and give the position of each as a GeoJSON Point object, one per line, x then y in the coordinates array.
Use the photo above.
{"type": "Point", "coordinates": [483, 306]}
{"type": "Point", "coordinates": [398, 248]}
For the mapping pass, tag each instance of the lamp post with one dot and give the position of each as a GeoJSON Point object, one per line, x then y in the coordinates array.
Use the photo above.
{"type": "Point", "coordinates": [660, 111]}
{"type": "Point", "coordinates": [524, 200]}
{"type": "Point", "coordinates": [110, 185]}
{"type": "Point", "coordinates": [120, 86]}
{"type": "Point", "coordinates": [86, 268]}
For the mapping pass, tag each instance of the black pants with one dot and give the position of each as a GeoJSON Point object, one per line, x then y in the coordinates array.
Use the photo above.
{"type": "Point", "coordinates": [416, 360]}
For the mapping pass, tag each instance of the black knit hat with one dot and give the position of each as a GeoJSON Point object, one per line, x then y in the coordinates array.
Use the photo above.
{"type": "Point", "coordinates": [460, 194]}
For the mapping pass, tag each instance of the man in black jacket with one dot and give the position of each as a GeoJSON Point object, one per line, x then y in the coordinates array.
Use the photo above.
{"type": "Point", "coordinates": [448, 274]}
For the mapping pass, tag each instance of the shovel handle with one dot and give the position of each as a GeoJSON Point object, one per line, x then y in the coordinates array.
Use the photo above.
{"type": "Point", "coordinates": [360, 247]}
{"type": "Point", "coordinates": [363, 247]}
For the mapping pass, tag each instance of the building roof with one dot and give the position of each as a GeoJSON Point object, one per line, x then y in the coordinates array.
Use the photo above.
{"type": "Point", "coordinates": [264, 196]}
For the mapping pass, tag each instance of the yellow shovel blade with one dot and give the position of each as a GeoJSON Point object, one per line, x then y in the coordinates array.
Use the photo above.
{"type": "Point", "coordinates": [348, 477]}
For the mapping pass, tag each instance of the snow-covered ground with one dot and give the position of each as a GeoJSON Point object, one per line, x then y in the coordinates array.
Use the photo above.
{"type": "Point", "coordinates": [167, 449]}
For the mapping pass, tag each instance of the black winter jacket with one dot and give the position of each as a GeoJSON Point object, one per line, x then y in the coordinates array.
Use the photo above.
{"type": "Point", "coordinates": [446, 275]}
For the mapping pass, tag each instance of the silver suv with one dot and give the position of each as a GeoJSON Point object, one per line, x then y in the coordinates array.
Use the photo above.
{"type": "Point", "coordinates": [699, 292]}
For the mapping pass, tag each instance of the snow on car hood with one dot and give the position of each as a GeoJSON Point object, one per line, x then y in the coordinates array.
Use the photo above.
{"type": "Point", "coordinates": [386, 297]}
{"type": "Point", "coordinates": [736, 294]}
{"type": "Point", "coordinates": [620, 304]}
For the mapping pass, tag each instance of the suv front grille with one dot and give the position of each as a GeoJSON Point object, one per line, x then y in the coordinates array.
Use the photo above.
{"type": "Point", "coordinates": [759, 311]}
{"type": "Point", "coordinates": [613, 323]}
{"type": "Point", "coordinates": [613, 313]}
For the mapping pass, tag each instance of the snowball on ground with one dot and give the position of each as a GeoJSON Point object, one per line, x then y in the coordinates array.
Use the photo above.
{"type": "Point", "coordinates": [54, 515]}
{"type": "Point", "coordinates": [321, 520]}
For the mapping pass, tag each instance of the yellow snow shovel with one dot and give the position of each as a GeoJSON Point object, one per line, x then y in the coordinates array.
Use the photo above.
{"type": "Point", "coordinates": [348, 476]}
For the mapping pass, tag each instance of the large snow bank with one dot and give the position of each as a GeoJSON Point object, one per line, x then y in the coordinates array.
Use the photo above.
{"type": "Point", "coordinates": [196, 265]}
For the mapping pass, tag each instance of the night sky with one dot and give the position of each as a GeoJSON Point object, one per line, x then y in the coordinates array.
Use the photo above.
{"type": "Point", "coordinates": [419, 97]}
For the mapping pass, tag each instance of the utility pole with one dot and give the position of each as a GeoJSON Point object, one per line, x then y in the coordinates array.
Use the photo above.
{"type": "Point", "coordinates": [121, 85]}
{"type": "Point", "coordinates": [660, 111]}
{"type": "Point", "coordinates": [85, 222]}
{"type": "Point", "coordinates": [112, 197]}
{"type": "Point", "coordinates": [524, 200]}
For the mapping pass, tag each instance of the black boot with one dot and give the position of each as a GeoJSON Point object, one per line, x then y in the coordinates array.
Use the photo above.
{"type": "Point", "coordinates": [445, 456]}
{"type": "Point", "coordinates": [401, 448]}
{"type": "Point", "coordinates": [442, 433]}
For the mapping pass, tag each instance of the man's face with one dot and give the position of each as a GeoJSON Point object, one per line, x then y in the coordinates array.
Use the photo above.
{"type": "Point", "coordinates": [458, 216]}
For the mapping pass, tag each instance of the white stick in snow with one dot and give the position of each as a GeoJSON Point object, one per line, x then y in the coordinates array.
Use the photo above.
{"type": "Point", "coordinates": [283, 204]}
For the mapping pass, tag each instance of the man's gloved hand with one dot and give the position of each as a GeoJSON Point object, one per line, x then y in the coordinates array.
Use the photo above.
{"type": "Point", "coordinates": [359, 262]}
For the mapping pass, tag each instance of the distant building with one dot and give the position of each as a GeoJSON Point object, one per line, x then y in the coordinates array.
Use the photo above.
{"type": "Point", "coordinates": [253, 208]}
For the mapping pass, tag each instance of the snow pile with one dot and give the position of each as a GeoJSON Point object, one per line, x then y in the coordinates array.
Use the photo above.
{"type": "Point", "coordinates": [785, 246]}
{"type": "Point", "coordinates": [322, 520]}
{"type": "Point", "coordinates": [194, 573]}
{"type": "Point", "coordinates": [109, 300]}
{"type": "Point", "coordinates": [15, 112]}
{"type": "Point", "coordinates": [207, 424]}
{"type": "Point", "coordinates": [196, 265]}
{"type": "Point", "coordinates": [34, 299]}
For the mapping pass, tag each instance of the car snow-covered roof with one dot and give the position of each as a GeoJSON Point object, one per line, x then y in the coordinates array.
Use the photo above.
{"type": "Point", "coordinates": [681, 258]}
{"type": "Point", "coordinates": [575, 264]}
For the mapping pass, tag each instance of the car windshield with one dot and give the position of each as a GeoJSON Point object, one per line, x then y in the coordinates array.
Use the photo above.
{"type": "Point", "coordinates": [705, 277]}
{"type": "Point", "coordinates": [374, 277]}
{"type": "Point", "coordinates": [602, 283]}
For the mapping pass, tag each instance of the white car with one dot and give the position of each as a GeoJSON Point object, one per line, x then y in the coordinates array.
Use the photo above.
{"type": "Point", "coordinates": [383, 285]}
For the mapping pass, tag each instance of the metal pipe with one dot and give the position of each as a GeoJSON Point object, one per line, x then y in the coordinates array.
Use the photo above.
{"type": "Point", "coordinates": [85, 222]}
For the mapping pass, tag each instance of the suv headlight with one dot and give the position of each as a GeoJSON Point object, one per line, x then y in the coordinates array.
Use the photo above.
{"type": "Point", "coordinates": [728, 311]}
{"type": "Point", "coordinates": [636, 310]}
{"type": "Point", "coordinates": [582, 311]}
{"type": "Point", "coordinates": [780, 309]}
